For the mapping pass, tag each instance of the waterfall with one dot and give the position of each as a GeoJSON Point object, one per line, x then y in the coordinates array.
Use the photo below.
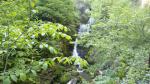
{"type": "Point", "coordinates": [84, 28]}
{"type": "Point", "coordinates": [91, 21]}
{"type": "Point", "coordinates": [75, 53]}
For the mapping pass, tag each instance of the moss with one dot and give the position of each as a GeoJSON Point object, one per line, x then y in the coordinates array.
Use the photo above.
{"type": "Point", "coordinates": [65, 78]}
{"type": "Point", "coordinates": [90, 57]}
{"type": "Point", "coordinates": [74, 73]}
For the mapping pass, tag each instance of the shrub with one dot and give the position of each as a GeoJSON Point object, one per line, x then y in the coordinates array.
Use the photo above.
{"type": "Point", "coordinates": [122, 39]}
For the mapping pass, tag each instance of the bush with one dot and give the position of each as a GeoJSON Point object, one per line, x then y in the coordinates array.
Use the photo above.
{"type": "Point", "coordinates": [30, 49]}
{"type": "Point", "coordinates": [58, 11]}
{"type": "Point", "coordinates": [121, 36]}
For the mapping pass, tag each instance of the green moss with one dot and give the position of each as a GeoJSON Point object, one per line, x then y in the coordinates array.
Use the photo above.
{"type": "Point", "coordinates": [65, 78]}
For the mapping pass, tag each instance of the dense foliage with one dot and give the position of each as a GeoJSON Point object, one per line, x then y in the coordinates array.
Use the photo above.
{"type": "Point", "coordinates": [59, 11]}
{"type": "Point", "coordinates": [120, 42]}
{"type": "Point", "coordinates": [31, 51]}
{"type": "Point", "coordinates": [35, 38]}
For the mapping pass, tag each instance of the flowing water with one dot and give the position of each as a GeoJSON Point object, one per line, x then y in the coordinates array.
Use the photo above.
{"type": "Point", "coordinates": [75, 53]}
{"type": "Point", "coordinates": [84, 29]}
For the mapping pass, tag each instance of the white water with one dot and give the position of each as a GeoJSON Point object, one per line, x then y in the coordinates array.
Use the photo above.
{"type": "Point", "coordinates": [75, 53]}
{"type": "Point", "coordinates": [91, 21]}
{"type": "Point", "coordinates": [83, 29]}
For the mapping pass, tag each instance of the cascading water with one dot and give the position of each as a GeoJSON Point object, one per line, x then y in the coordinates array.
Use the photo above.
{"type": "Point", "coordinates": [84, 28]}
{"type": "Point", "coordinates": [85, 24]}
{"type": "Point", "coordinates": [75, 53]}
{"type": "Point", "coordinates": [91, 21]}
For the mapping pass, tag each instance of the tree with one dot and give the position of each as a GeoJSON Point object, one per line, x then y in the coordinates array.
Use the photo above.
{"type": "Point", "coordinates": [58, 11]}
{"type": "Point", "coordinates": [121, 42]}
{"type": "Point", "coordinates": [29, 48]}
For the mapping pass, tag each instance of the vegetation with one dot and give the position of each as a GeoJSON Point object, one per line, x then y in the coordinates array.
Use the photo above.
{"type": "Point", "coordinates": [29, 49]}
{"type": "Point", "coordinates": [36, 42]}
{"type": "Point", "coordinates": [120, 38]}
{"type": "Point", "coordinates": [57, 11]}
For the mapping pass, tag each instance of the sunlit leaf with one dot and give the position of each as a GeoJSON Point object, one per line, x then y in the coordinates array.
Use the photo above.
{"type": "Point", "coordinates": [41, 46]}
{"type": "Point", "coordinates": [1, 52]}
{"type": "Point", "coordinates": [14, 78]}
{"type": "Point", "coordinates": [51, 49]}
{"type": "Point", "coordinates": [45, 66]}
{"type": "Point", "coordinates": [34, 72]}
{"type": "Point", "coordinates": [23, 76]}
{"type": "Point", "coordinates": [68, 37]}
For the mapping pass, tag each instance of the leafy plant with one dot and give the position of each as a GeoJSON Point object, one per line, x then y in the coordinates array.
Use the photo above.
{"type": "Point", "coordinates": [28, 48]}
{"type": "Point", "coordinates": [57, 12]}
{"type": "Point", "coordinates": [121, 41]}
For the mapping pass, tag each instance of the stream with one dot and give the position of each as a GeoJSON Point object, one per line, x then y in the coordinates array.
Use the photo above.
{"type": "Point", "coordinates": [85, 26]}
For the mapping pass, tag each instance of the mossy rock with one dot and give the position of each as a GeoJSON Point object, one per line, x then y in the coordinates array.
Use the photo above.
{"type": "Point", "coordinates": [65, 78]}
{"type": "Point", "coordinates": [84, 18]}
{"type": "Point", "coordinates": [74, 73]}
{"type": "Point", "coordinates": [91, 61]}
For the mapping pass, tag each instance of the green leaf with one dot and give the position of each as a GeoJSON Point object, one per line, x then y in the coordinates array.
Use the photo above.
{"type": "Point", "coordinates": [51, 63]}
{"type": "Point", "coordinates": [59, 59]}
{"type": "Point", "coordinates": [14, 78]}
{"type": "Point", "coordinates": [65, 29]}
{"type": "Point", "coordinates": [1, 77]}
{"type": "Point", "coordinates": [1, 52]}
{"type": "Point", "coordinates": [32, 4]}
{"type": "Point", "coordinates": [66, 61]}
{"type": "Point", "coordinates": [51, 49]}
{"type": "Point", "coordinates": [45, 66]}
{"type": "Point", "coordinates": [17, 73]}
{"type": "Point", "coordinates": [23, 76]}
{"type": "Point", "coordinates": [62, 60]}
{"type": "Point", "coordinates": [68, 37]}
{"type": "Point", "coordinates": [34, 72]}
{"type": "Point", "coordinates": [41, 46]}
{"type": "Point", "coordinates": [20, 53]}
{"type": "Point", "coordinates": [63, 35]}
{"type": "Point", "coordinates": [7, 81]}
